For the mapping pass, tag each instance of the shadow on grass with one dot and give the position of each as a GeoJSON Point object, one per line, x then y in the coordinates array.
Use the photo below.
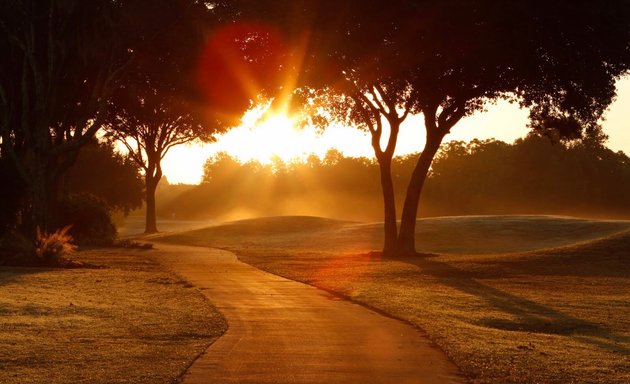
{"type": "Point", "coordinates": [529, 316]}
{"type": "Point", "coordinates": [9, 274]}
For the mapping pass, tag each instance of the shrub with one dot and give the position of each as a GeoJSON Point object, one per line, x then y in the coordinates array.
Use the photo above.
{"type": "Point", "coordinates": [50, 248]}
{"type": "Point", "coordinates": [46, 250]}
{"type": "Point", "coordinates": [17, 249]}
{"type": "Point", "coordinates": [89, 218]}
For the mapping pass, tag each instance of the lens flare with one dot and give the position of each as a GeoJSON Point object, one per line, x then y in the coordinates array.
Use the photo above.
{"type": "Point", "coordinates": [239, 62]}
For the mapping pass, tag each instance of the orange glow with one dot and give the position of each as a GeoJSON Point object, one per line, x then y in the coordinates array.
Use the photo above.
{"type": "Point", "coordinates": [240, 60]}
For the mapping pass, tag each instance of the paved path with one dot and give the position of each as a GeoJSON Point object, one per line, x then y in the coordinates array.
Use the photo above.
{"type": "Point", "coordinates": [281, 331]}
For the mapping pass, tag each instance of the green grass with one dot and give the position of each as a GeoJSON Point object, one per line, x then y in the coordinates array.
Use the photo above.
{"type": "Point", "coordinates": [130, 322]}
{"type": "Point", "coordinates": [511, 299]}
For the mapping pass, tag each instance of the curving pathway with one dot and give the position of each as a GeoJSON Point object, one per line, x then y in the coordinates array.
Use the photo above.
{"type": "Point", "coordinates": [282, 331]}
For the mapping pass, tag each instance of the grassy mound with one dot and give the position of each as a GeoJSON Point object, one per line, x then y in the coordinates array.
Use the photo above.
{"type": "Point", "coordinates": [452, 235]}
{"type": "Point", "coordinates": [280, 229]}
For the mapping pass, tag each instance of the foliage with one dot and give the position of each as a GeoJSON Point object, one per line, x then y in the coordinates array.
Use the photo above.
{"type": "Point", "coordinates": [532, 175]}
{"type": "Point", "coordinates": [47, 250]}
{"type": "Point", "coordinates": [50, 248]}
{"type": "Point", "coordinates": [89, 219]}
{"type": "Point", "coordinates": [103, 172]}
{"type": "Point", "coordinates": [159, 105]}
{"type": "Point", "coordinates": [60, 59]}
{"type": "Point", "coordinates": [16, 249]}
{"type": "Point", "coordinates": [372, 63]}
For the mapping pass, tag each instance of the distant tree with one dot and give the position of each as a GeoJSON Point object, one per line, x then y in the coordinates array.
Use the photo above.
{"type": "Point", "coordinates": [149, 122]}
{"type": "Point", "coordinates": [534, 175]}
{"type": "Point", "coordinates": [374, 63]}
{"type": "Point", "coordinates": [107, 174]}
{"type": "Point", "coordinates": [204, 74]}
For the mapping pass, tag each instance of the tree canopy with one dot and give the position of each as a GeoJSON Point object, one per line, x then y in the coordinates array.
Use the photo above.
{"type": "Point", "coordinates": [60, 59]}
{"type": "Point", "coordinates": [373, 62]}
{"type": "Point", "coordinates": [190, 86]}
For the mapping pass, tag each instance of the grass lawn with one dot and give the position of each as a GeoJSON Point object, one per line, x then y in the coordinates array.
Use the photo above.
{"type": "Point", "coordinates": [130, 322]}
{"type": "Point", "coordinates": [511, 299]}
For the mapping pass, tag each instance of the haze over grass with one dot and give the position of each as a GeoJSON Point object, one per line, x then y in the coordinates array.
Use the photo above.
{"type": "Point", "coordinates": [454, 234]}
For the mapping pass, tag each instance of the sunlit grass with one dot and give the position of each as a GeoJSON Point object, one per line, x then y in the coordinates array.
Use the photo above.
{"type": "Point", "coordinates": [552, 311]}
{"type": "Point", "coordinates": [130, 322]}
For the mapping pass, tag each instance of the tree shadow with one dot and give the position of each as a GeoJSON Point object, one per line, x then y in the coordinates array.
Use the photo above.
{"type": "Point", "coordinates": [9, 274]}
{"type": "Point", "coordinates": [529, 316]}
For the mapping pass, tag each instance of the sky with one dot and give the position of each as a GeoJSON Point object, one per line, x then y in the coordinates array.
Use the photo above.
{"type": "Point", "coordinates": [278, 137]}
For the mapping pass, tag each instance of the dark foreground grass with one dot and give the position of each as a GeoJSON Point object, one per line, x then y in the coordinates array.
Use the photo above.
{"type": "Point", "coordinates": [130, 322]}
{"type": "Point", "coordinates": [555, 310]}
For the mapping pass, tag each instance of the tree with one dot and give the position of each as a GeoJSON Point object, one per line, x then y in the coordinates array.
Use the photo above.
{"type": "Point", "coordinates": [561, 60]}
{"type": "Point", "coordinates": [149, 123]}
{"type": "Point", "coordinates": [62, 61]}
{"type": "Point", "coordinates": [179, 92]}
{"type": "Point", "coordinates": [209, 71]}
{"type": "Point", "coordinates": [59, 60]}
{"type": "Point", "coordinates": [374, 63]}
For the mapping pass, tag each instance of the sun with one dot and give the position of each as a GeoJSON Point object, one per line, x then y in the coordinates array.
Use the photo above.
{"type": "Point", "coordinates": [266, 137]}
{"type": "Point", "coordinates": [276, 137]}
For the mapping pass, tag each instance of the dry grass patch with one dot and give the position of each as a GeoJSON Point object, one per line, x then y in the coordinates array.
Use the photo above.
{"type": "Point", "coordinates": [551, 315]}
{"type": "Point", "coordinates": [129, 322]}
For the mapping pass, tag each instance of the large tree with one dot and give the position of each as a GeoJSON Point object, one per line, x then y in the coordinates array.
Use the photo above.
{"type": "Point", "coordinates": [560, 59]}
{"type": "Point", "coordinates": [59, 60]}
{"type": "Point", "coordinates": [374, 62]}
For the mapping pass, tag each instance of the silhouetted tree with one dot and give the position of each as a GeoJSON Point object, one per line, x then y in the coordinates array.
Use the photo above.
{"type": "Point", "coordinates": [60, 60]}
{"type": "Point", "coordinates": [204, 74]}
{"type": "Point", "coordinates": [379, 61]}
{"type": "Point", "coordinates": [149, 123]}
{"type": "Point", "coordinates": [11, 195]}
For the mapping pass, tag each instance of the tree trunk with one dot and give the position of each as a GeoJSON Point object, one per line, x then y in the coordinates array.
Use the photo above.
{"type": "Point", "coordinates": [151, 218]}
{"type": "Point", "coordinates": [407, 236]}
{"type": "Point", "coordinates": [152, 178]}
{"type": "Point", "coordinates": [389, 205]}
{"type": "Point", "coordinates": [43, 193]}
{"type": "Point", "coordinates": [41, 211]}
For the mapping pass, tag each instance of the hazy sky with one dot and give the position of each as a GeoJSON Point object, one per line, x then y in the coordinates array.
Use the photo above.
{"type": "Point", "coordinates": [503, 121]}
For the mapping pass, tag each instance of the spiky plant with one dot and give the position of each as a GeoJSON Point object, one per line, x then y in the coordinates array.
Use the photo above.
{"type": "Point", "coordinates": [52, 247]}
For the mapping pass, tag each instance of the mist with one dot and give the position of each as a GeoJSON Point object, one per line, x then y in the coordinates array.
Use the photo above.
{"type": "Point", "coordinates": [531, 176]}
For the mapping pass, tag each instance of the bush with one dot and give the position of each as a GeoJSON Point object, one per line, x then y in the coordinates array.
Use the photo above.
{"type": "Point", "coordinates": [50, 248]}
{"type": "Point", "coordinates": [47, 250]}
{"type": "Point", "coordinates": [89, 218]}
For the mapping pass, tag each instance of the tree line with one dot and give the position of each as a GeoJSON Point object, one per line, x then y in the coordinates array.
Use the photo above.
{"type": "Point", "coordinates": [534, 175]}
